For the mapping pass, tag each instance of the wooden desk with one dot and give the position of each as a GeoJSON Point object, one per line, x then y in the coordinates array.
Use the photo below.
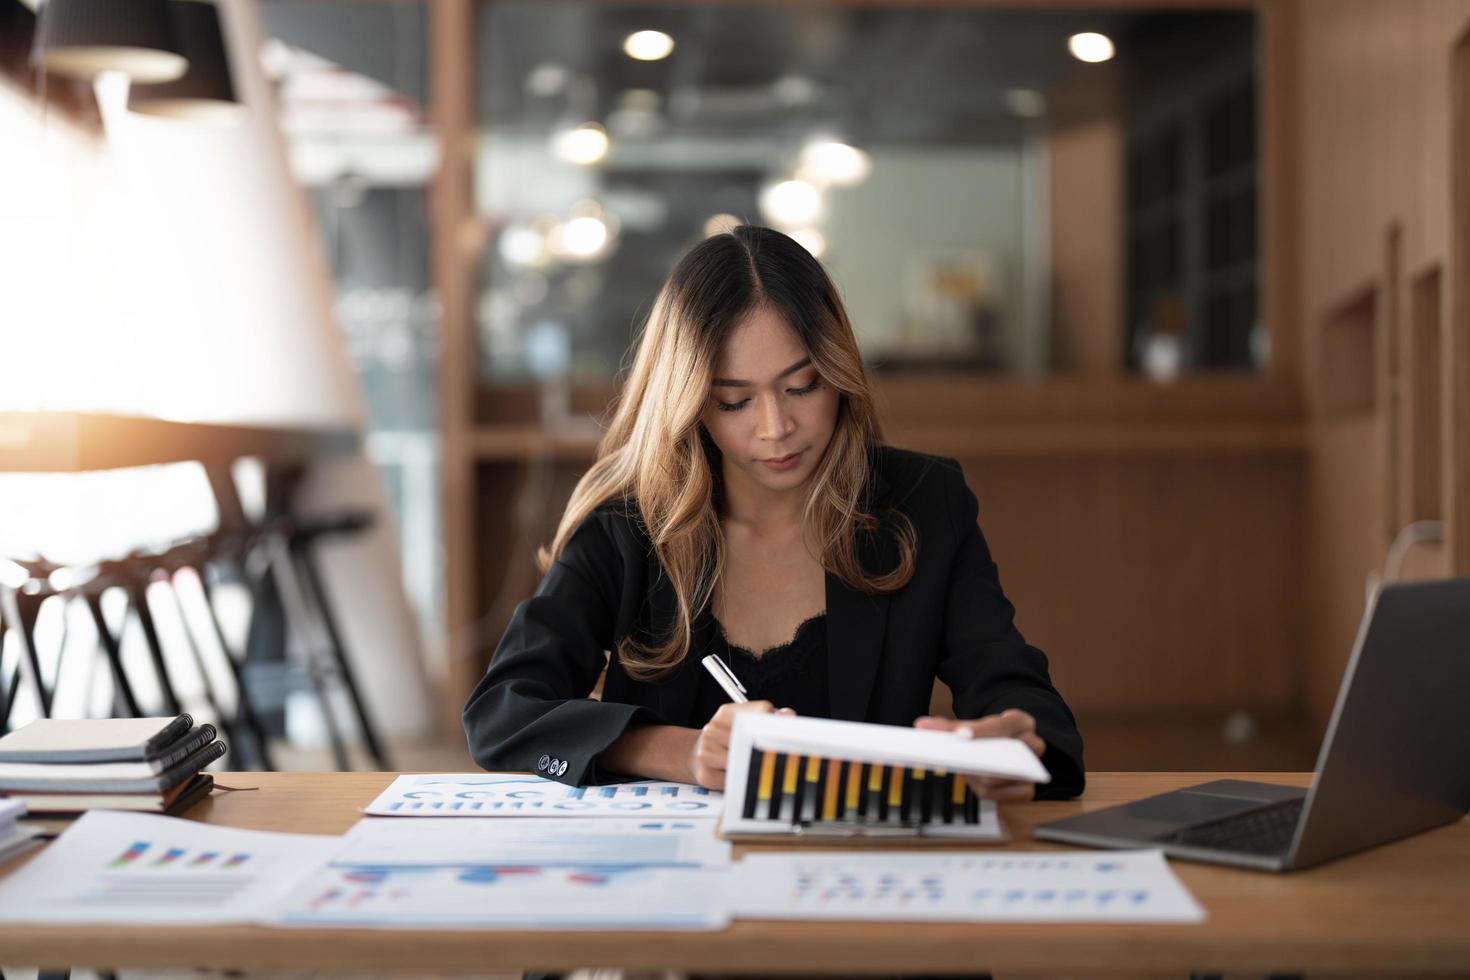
{"type": "Point", "coordinates": [1399, 908]}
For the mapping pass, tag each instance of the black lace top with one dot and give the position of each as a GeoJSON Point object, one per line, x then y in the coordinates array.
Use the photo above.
{"type": "Point", "coordinates": [792, 675]}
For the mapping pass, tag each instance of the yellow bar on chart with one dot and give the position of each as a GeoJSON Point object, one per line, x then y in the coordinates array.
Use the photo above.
{"type": "Point", "coordinates": [829, 798]}
{"type": "Point", "coordinates": [854, 791]}
{"type": "Point", "coordinates": [788, 784]}
{"type": "Point", "coordinates": [768, 775]}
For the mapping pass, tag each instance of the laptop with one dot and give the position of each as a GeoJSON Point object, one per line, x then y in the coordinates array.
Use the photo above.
{"type": "Point", "coordinates": [1393, 762]}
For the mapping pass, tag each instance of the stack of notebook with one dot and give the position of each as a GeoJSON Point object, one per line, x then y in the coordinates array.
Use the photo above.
{"type": "Point", "coordinates": [65, 767]}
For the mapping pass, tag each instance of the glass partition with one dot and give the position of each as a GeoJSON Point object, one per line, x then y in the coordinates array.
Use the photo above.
{"type": "Point", "coordinates": [1003, 191]}
{"type": "Point", "coordinates": [351, 84]}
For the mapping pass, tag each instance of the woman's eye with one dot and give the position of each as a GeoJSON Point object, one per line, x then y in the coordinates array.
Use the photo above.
{"type": "Point", "coordinates": [806, 389]}
{"type": "Point", "coordinates": [732, 406]}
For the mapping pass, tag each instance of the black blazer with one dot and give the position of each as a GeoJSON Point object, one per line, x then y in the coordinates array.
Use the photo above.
{"type": "Point", "coordinates": [531, 711]}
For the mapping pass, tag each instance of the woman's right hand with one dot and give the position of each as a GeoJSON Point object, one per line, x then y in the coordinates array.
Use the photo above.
{"type": "Point", "coordinates": [711, 755]}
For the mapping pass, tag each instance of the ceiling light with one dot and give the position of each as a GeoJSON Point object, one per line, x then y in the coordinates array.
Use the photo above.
{"type": "Point", "coordinates": [587, 207]}
{"type": "Point", "coordinates": [83, 38]}
{"type": "Point", "coordinates": [1025, 102]}
{"type": "Point", "coordinates": [522, 246]}
{"type": "Point", "coordinates": [585, 145]}
{"type": "Point", "coordinates": [546, 79]}
{"type": "Point", "coordinates": [640, 99]}
{"type": "Point", "coordinates": [584, 239]}
{"type": "Point", "coordinates": [648, 45]}
{"type": "Point", "coordinates": [636, 116]}
{"type": "Point", "coordinates": [811, 240]}
{"type": "Point", "coordinates": [795, 90]}
{"type": "Point", "coordinates": [205, 91]}
{"type": "Point", "coordinates": [1090, 47]}
{"type": "Point", "coordinates": [791, 203]}
{"type": "Point", "coordinates": [831, 162]}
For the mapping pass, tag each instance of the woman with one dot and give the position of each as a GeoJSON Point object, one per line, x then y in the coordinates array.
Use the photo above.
{"type": "Point", "coordinates": [742, 504]}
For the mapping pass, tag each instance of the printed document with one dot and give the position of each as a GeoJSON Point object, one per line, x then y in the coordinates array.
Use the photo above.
{"type": "Point", "coordinates": [995, 886]}
{"type": "Point", "coordinates": [116, 867]}
{"type": "Point", "coordinates": [427, 842]}
{"type": "Point", "coordinates": [515, 795]}
{"type": "Point", "coordinates": [511, 897]}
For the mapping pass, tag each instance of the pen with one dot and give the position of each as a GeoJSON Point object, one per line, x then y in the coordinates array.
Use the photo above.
{"type": "Point", "coordinates": [725, 678]}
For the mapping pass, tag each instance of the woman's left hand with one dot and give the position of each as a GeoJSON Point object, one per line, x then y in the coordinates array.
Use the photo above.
{"type": "Point", "coordinates": [1011, 723]}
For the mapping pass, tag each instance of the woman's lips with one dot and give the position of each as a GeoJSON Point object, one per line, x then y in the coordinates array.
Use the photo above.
{"type": "Point", "coordinates": [784, 462]}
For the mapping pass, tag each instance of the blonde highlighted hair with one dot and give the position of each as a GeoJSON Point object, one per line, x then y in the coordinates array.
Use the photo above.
{"type": "Point", "coordinates": [656, 458]}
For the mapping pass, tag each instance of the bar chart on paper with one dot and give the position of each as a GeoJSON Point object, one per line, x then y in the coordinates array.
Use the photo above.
{"type": "Point", "coordinates": [820, 777]}
{"type": "Point", "coordinates": [146, 854]}
{"type": "Point", "coordinates": [514, 795]}
{"type": "Point", "coordinates": [130, 867]}
{"type": "Point", "coordinates": [782, 793]}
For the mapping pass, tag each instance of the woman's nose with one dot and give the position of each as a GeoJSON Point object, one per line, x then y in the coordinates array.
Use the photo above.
{"type": "Point", "coordinates": [775, 422]}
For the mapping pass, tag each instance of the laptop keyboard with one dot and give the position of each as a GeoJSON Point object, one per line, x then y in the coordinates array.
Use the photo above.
{"type": "Point", "coordinates": [1267, 830]}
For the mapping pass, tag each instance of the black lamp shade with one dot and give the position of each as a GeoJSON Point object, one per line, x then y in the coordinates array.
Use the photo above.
{"type": "Point", "coordinates": [80, 38]}
{"type": "Point", "coordinates": [205, 89]}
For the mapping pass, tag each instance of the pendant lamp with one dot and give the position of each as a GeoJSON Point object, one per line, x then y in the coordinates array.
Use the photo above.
{"type": "Point", "coordinates": [205, 90]}
{"type": "Point", "coordinates": [81, 38]}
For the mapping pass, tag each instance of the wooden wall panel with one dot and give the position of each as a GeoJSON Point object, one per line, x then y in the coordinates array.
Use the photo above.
{"type": "Point", "coordinates": [1085, 168]}
{"type": "Point", "coordinates": [1154, 584]}
{"type": "Point", "coordinates": [1456, 376]}
{"type": "Point", "coordinates": [1374, 151]}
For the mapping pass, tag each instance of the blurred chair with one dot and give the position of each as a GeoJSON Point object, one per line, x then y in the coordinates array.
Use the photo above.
{"type": "Point", "coordinates": [21, 597]}
{"type": "Point", "coordinates": [275, 559]}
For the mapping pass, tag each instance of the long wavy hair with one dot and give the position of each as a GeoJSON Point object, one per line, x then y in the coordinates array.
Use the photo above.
{"type": "Point", "coordinates": [656, 457]}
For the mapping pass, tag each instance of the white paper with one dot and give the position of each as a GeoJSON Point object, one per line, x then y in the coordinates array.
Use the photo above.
{"type": "Point", "coordinates": [997, 886]}
{"type": "Point", "coordinates": [889, 745]}
{"type": "Point", "coordinates": [514, 795]}
{"type": "Point", "coordinates": [519, 897]}
{"type": "Point", "coordinates": [116, 867]}
{"type": "Point", "coordinates": [427, 842]}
